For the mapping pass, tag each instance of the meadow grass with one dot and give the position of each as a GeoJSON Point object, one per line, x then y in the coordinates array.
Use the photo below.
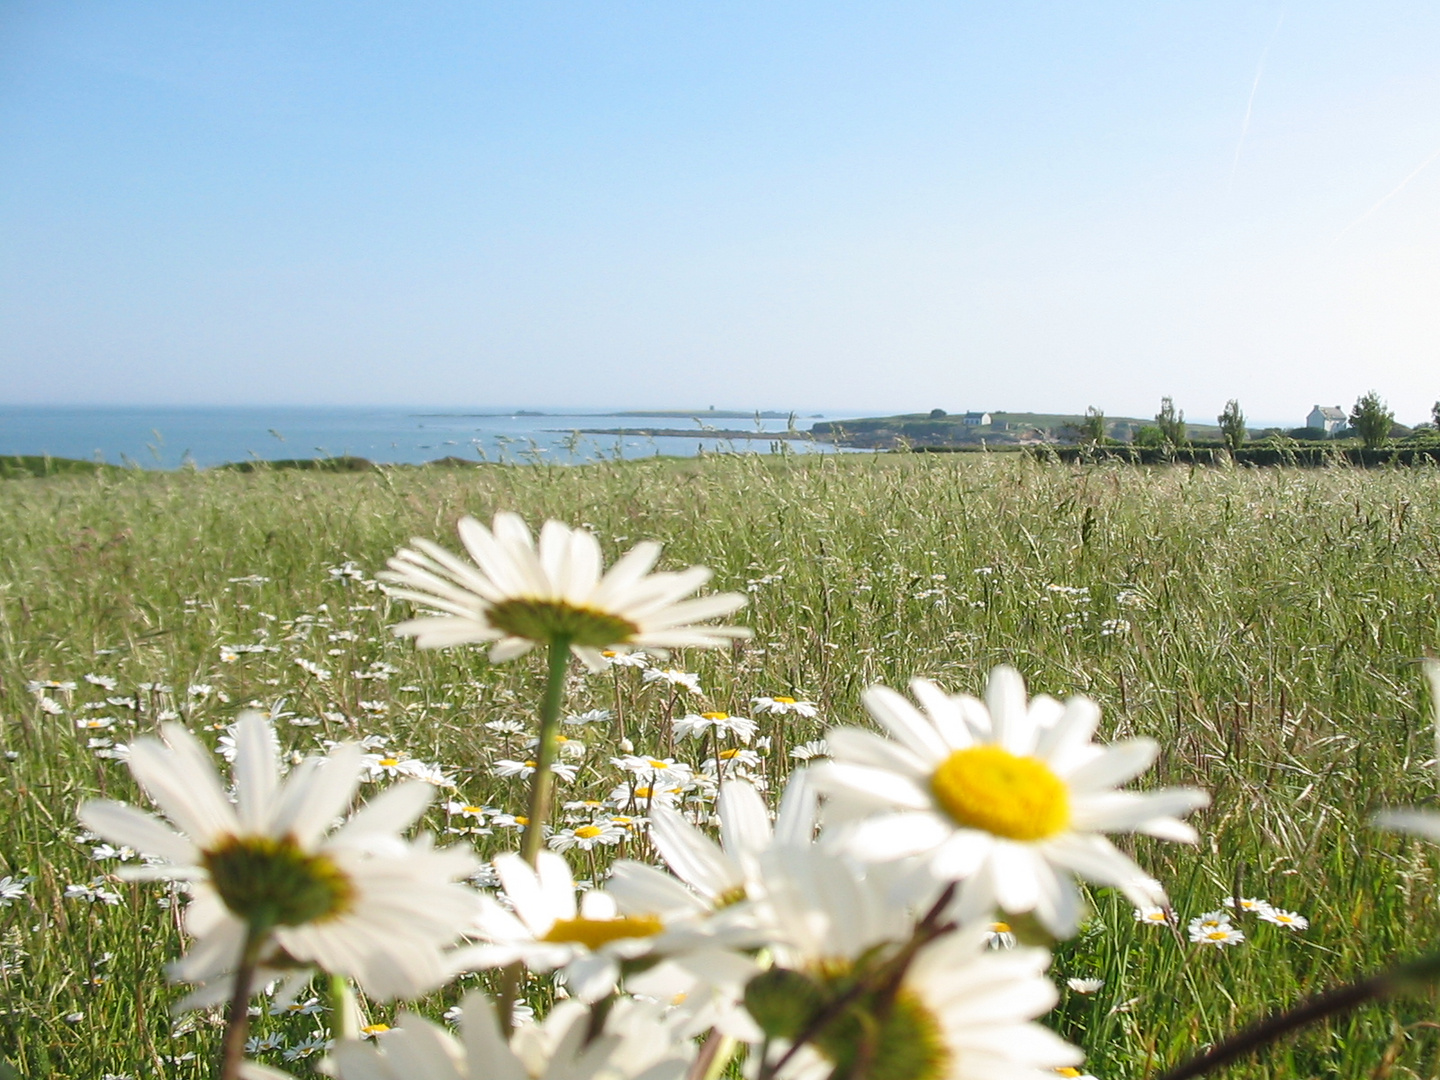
{"type": "Point", "coordinates": [1262, 624]}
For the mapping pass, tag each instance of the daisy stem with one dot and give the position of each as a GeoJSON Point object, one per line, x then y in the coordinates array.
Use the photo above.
{"type": "Point", "coordinates": [1412, 975]}
{"type": "Point", "coordinates": [237, 1023]}
{"type": "Point", "coordinates": [543, 780]}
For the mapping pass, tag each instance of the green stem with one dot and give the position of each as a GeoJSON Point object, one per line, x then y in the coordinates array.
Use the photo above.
{"type": "Point", "coordinates": [237, 1023]}
{"type": "Point", "coordinates": [1411, 975]}
{"type": "Point", "coordinates": [543, 782]}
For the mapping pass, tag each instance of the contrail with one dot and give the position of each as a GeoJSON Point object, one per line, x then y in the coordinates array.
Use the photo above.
{"type": "Point", "coordinates": [1250, 105]}
{"type": "Point", "coordinates": [1393, 192]}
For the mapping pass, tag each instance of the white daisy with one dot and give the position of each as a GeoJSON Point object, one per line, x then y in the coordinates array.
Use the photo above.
{"type": "Point", "coordinates": [782, 704]}
{"type": "Point", "coordinates": [1247, 903]}
{"type": "Point", "coordinates": [674, 677]}
{"type": "Point", "coordinates": [547, 929]}
{"type": "Point", "coordinates": [961, 1012]}
{"type": "Point", "coordinates": [360, 901]}
{"type": "Point", "coordinates": [1010, 798]}
{"type": "Point", "coordinates": [635, 1044]}
{"type": "Point", "coordinates": [728, 871]}
{"type": "Point", "coordinates": [1216, 936]}
{"type": "Point", "coordinates": [698, 725]}
{"type": "Point", "coordinates": [1288, 919]}
{"type": "Point", "coordinates": [1155, 915]}
{"type": "Point", "coordinates": [518, 595]}
{"type": "Point", "coordinates": [587, 837]}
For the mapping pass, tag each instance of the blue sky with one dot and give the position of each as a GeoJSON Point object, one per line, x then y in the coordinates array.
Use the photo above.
{"type": "Point", "coordinates": [820, 205]}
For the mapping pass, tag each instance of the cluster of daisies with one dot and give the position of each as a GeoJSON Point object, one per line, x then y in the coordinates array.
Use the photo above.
{"type": "Point", "coordinates": [1217, 929]}
{"type": "Point", "coordinates": [849, 932]}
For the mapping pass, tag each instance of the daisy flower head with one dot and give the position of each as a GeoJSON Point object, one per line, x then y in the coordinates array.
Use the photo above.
{"type": "Point", "coordinates": [587, 837]}
{"type": "Point", "coordinates": [782, 704]}
{"type": "Point", "coordinates": [961, 1011]}
{"type": "Point", "coordinates": [635, 1043]}
{"type": "Point", "coordinates": [359, 901]}
{"type": "Point", "coordinates": [698, 725]}
{"type": "Point", "coordinates": [517, 594]}
{"type": "Point", "coordinates": [1288, 919]}
{"type": "Point", "coordinates": [1010, 797]}
{"type": "Point", "coordinates": [1251, 904]}
{"type": "Point", "coordinates": [1155, 915]}
{"type": "Point", "coordinates": [1209, 920]}
{"type": "Point", "coordinates": [1216, 936]}
{"type": "Point", "coordinates": [544, 927]}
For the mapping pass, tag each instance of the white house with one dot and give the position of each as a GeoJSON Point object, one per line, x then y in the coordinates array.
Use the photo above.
{"type": "Point", "coordinates": [1326, 419]}
{"type": "Point", "coordinates": [975, 419]}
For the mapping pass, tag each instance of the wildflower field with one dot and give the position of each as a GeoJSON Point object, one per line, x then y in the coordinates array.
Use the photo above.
{"type": "Point", "coordinates": [1265, 627]}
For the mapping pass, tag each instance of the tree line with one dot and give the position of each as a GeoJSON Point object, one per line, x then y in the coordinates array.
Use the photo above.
{"type": "Point", "coordinates": [1370, 420]}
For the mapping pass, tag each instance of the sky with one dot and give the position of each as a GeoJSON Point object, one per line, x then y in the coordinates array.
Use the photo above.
{"type": "Point", "coordinates": [833, 206]}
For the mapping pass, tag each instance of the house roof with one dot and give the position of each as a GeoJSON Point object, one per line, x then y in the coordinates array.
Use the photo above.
{"type": "Point", "coordinates": [1330, 413]}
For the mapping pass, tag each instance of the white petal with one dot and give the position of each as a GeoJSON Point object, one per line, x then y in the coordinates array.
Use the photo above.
{"type": "Point", "coordinates": [744, 820]}
{"type": "Point", "coordinates": [121, 824]}
{"type": "Point", "coordinates": [905, 722]}
{"type": "Point", "coordinates": [691, 854]}
{"type": "Point", "coordinates": [256, 770]}
{"type": "Point", "coordinates": [1118, 763]}
{"type": "Point", "coordinates": [885, 837]}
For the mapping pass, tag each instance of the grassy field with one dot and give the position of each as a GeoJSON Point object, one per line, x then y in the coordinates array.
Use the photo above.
{"type": "Point", "coordinates": [1262, 624]}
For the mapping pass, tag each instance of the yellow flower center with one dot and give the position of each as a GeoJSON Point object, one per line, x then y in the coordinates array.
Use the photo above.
{"type": "Point", "coordinates": [714, 715]}
{"type": "Point", "coordinates": [543, 620]}
{"type": "Point", "coordinates": [1068, 1070]}
{"type": "Point", "coordinates": [1218, 935]}
{"type": "Point", "coordinates": [270, 881]}
{"type": "Point", "coordinates": [588, 832]}
{"type": "Point", "coordinates": [472, 809]}
{"type": "Point", "coordinates": [521, 819]}
{"type": "Point", "coordinates": [389, 762]}
{"type": "Point", "coordinates": [987, 787]}
{"type": "Point", "coordinates": [656, 763]}
{"type": "Point", "coordinates": [1000, 927]}
{"type": "Point", "coordinates": [726, 755]}
{"type": "Point", "coordinates": [593, 933]}
{"type": "Point", "coordinates": [528, 764]}
{"type": "Point", "coordinates": [784, 700]}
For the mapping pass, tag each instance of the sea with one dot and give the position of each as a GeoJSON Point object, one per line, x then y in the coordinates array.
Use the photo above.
{"type": "Point", "coordinates": [173, 437]}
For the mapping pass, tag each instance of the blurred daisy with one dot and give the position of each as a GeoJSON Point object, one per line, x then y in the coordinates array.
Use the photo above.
{"type": "Point", "coordinates": [1247, 903]}
{"type": "Point", "coordinates": [782, 705]}
{"type": "Point", "coordinates": [998, 935]}
{"type": "Point", "coordinates": [729, 871]}
{"type": "Point", "coordinates": [545, 928]}
{"type": "Point", "coordinates": [674, 677]}
{"type": "Point", "coordinates": [1157, 916]}
{"type": "Point", "coordinates": [587, 837]}
{"type": "Point", "coordinates": [1288, 919]}
{"type": "Point", "coordinates": [808, 751]}
{"type": "Point", "coordinates": [961, 1012]}
{"type": "Point", "coordinates": [698, 725]}
{"type": "Point", "coordinates": [1010, 798]}
{"type": "Point", "coordinates": [518, 594]}
{"type": "Point", "coordinates": [635, 1043]}
{"type": "Point", "coordinates": [1085, 986]}
{"type": "Point", "coordinates": [1216, 936]}
{"type": "Point", "coordinates": [1209, 920]}
{"type": "Point", "coordinates": [359, 901]}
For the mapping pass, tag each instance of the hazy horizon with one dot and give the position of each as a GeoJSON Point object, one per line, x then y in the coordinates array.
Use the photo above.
{"type": "Point", "coordinates": [1028, 208]}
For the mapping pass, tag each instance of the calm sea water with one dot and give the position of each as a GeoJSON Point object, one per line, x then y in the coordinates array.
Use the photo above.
{"type": "Point", "coordinates": [168, 437]}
